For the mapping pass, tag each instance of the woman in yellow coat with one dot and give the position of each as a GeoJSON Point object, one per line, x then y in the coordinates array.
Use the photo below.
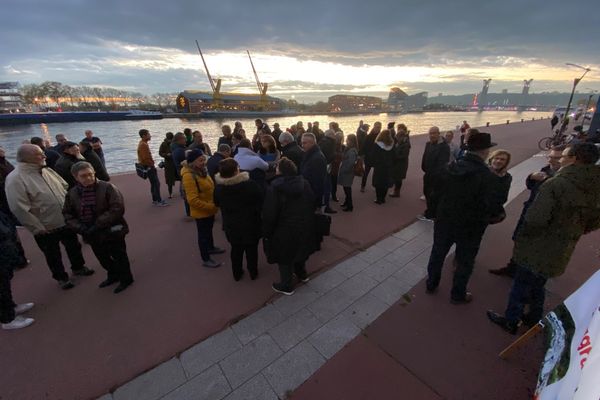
{"type": "Point", "coordinates": [199, 188]}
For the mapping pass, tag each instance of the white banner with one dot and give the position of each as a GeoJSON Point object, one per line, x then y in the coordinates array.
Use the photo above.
{"type": "Point", "coordinates": [571, 367]}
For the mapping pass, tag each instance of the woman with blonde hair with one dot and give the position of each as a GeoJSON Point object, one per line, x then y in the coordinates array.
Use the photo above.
{"type": "Point", "coordinates": [498, 161]}
{"type": "Point", "coordinates": [382, 160]}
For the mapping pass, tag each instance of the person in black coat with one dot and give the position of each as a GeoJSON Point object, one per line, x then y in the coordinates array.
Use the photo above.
{"type": "Point", "coordinates": [435, 159]}
{"type": "Point", "coordinates": [240, 200]}
{"type": "Point", "coordinates": [314, 167]}
{"type": "Point", "coordinates": [381, 156]}
{"type": "Point", "coordinates": [290, 149]}
{"type": "Point", "coordinates": [69, 157]}
{"type": "Point", "coordinates": [92, 157]}
{"type": "Point", "coordinates": [288, 225]}
{"type": "Point", "coordinates": [465, 209]}
{"type": "Point", "coordinates": [401, 152]}
{"type": "Point", "coordinates": [366, 150]}
{"type": "Point", "coordinates": [51, 155]}
{"type": "Point", "coordinates": [212, 165]}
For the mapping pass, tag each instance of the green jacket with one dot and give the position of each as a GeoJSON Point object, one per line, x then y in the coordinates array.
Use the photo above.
{"type": "Point", "coordinates": [566, 207]}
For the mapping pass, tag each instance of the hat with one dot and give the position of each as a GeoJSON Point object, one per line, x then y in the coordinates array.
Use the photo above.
{"type": "Point", "coordinates": [192, 155]}
{"type": "Point", "coordinates": [480, 141]}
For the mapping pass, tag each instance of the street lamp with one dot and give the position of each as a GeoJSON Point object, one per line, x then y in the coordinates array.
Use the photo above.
{"type": "Point", "coordinates": [587, 106]}
{"type": "Point", "coordinates": [575, 82]}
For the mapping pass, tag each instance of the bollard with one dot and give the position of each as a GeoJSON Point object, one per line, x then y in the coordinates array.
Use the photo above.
{"type": "Point", "coordinates": [487, 124]}
{"type": "Point", "coordinates": [507, 122]}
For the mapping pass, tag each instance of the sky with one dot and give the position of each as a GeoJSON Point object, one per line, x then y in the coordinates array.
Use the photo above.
{"type": "Point", "coordinates": [304, 49]}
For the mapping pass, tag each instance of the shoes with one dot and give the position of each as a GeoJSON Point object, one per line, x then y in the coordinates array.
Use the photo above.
{"type": "Point", "coordinates": [348, 209]}
{"type": "Point", "coordinates": [329, 210]}
{"type": "Point", "coordinates": [161, 203]}
{"type": "Point", "coordinates": [25, 265]}
{"type": "Point", "coordinates": [107, 282]}
{"type": "Point", "coordinates": [283, 290]}
{"type": "Point", "coordinates": [122, 286]}
{"type": "Point", "coordinates": [83, 271]}
{"type": "Point", "coordinates": [22, 308]}
{"type": "Point", "coordinates": [210, 263]}
{"type": "Point", "coordinates": [253, 275]}
{"type": "Point", "coordinates": [422, 198]}
{"type": "Point", "coordinates": [501, 321]}
{"type": "Point", "coordinates": [170, 196]}
{"type": "Point", "coordinates": [504, 271]}
{"type": "Point", "coordinates": [344, 204]}
{"type": "Point", "coordinates": [430, 290]}
{"type": "Point", "coordinates": [216, 250]}
{"type": "Point", "coordinates": [333, 198]}
{"type": "Point", "coordinates": [395, 195]}
{"type": "Point", "coordinates": [66, 285]}
{"type": "Point", "coordinates": [237, 277]}
{"type": "Point", "coordinates": [362, 189]}
{"type": "Point", "coordinates": [18, 323]}
{"type": "Point", "coordinates": [380, 202]}
{"type": "Point", "coordinates": [421, 217]}
{"type": "Point", "coordinates": [465, 300]}
{"type": "Point", "coordinates": [303, 278]}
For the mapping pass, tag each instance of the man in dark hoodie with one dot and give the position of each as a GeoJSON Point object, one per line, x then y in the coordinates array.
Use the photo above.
{"type": "Point", "coordinates": [87, 151]}
{"type": "Point", "coordinates": [565, 208]}
{"type": "Point", "coordinates": [435, 159]}
{"type": "Point", "coordinates": [464, 211]}
{"type": "Point", "coordinates": [69, 157]}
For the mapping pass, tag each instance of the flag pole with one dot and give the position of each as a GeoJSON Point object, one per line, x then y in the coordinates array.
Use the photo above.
{"type": "Point", "coordinates": [525, 337]}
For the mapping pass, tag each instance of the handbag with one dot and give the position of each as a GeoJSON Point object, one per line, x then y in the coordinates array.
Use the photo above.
{"type": "Point", "coordinates": [141, 171]}
{"type": "Point", "coordinates": [359, 167]}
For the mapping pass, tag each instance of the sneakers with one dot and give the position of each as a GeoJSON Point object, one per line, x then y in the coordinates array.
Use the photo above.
{"type": "Point", "coordinates": [18, 323]}
{"type": "Point", "coordinates": [279, 288]}
{"type": "Point", "coordinates": [161, 203]}
{"type": "Point", "coordinates": [22, 308]}
{"type": "Point", "coordinates": [465, 300]}
{"type": "Point", "coordinates": [66, 285]}
{"type": "Point", "coordinates": [107, 282]}
{"type": "Point", "coordinates": [421, 217]}
{"type": "Point", "coordinates": [422, 198]}
{"type": "Point", "coordinates": [216, 250]}
{"type": "Point", "coordinates": [501, 321]}
{"type": "Point", "coordinates": [210, 263]}
{"type": "Point", "coordinates": [304, 278]}
{"type": "Point", "coordinates": [83, 271]}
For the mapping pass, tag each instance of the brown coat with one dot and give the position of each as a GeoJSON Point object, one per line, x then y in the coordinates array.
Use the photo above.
{"type": "Point", "coordinates": [144, 154]}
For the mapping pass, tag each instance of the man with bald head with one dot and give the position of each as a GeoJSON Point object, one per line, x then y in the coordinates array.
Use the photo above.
{"type": "Point", "coordinates": [36, 196]}
{"type": "Point", "coordinates": [435, 159]}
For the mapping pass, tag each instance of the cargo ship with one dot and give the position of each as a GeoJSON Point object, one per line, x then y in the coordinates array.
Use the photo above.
{"type": "Point", "coordinates": [19, 118]}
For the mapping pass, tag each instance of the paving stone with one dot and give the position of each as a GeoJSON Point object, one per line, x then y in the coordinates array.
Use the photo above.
{"type": "Point", "coordinates": [331, 337]}
{"type": "Point", "coordinates": [331, 304]}
{"type": "Point", "coordinates": [250, 360]}
{"type": "Point", "coordinates": [390, 243]}
{"type": "Point", "coordinates": [365, 310]}
{"type": "Point", "coordinates": [373, 254]}
{"type": "Point", "coordinates": [256, 388]}
{"type": "Point", "coordinates": [381, 270]}
{"type": "Point", "coordinates": [107, 396]}
{"type": "Point", "coordinates": [209, 385]}
{"type": "Point", "coordinates": [257, 323]}
{"type": "Point", "coordinates": [351, 266]}
{"type": "Point", "coordinates": [326, 281]}
{"type": "Point", "coordinates": [295, 329]}
{"type": "Point", "coordinates": [153, 384]}
{"type": "Point", "coordinates": [293, 368]}
{"type": "Point", "coordinates": [210, 351]}
{"type": "Point", "coordinates": [358, 285]}
{"type": "Point", "coordinates": [391, 290]}
{"type": "Point", "coordinates": [413, 230]}
{"type": "Point", "coordinates": [403, 255]}
{"type": "Point", "coordinates": [409, 278]}
{"type": "Point", "coordinates": [289, 305]}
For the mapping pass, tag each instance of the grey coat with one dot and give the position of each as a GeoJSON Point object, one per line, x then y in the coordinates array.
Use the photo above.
{"type": "Point", "coordinates": [346, 173]}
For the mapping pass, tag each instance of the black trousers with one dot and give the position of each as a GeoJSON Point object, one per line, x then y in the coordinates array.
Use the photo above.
{"type": "Point", "coordinates": [368, 167]}
{"type": "Point", "coordinates": [380, 193]}
{"type": "Point", "coordinates": [527, 288]}
{"type": "Point", "coordinates": [398, 185]}
{"type": "Point", "coordinates": [49, 244]}
{"type": "Point", "coordinates": [286, 270]}
{"type": "Point", "coordinates": [237, 257]}
{"type": "Point", "coordinates": [431, 195]}
{"type": "Point", "coordinates": [348, 193]}
{"type": "Point", "coordinates": [334, 179]}
{"type": "Point", "coordinates": [7, 305]}
{"type": "Point", "coordinates": [204, 227]}
{"type": "Point", "coordinates": [112, 255]}
{"type": "Point", "coordinates": [467, 240]}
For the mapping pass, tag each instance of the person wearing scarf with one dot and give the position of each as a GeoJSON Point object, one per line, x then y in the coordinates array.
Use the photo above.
{"type": "Point", "coordinates": [95, 209]}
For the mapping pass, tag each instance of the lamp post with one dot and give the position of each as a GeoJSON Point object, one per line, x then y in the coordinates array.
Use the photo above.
{"type": "Point", "coordinates": [587, 105]}
{"type": "Point", "coordinates": [575, 83]}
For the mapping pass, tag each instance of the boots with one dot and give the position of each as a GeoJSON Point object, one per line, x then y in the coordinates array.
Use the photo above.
{"type": "Point", "coordinates": [395, 193]}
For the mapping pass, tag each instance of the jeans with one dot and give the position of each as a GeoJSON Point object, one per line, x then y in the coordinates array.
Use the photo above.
{"type": "Point", "coordinates": [7, 305]}
{"type": "Point", "coordinates": [348, 193]}
{"type": "Point", "coordinates": [204, 227]}
{"type": "Point", "coordinates": [48, 243]}
{"type": "Point", "coordinates": [154, 184]}
{"type": "Point", "coordinates": [467, 240]}
{"type": "Point", "coordinates": [237, 257]}
{"type": "Point", "coordinates": [528, 287]}
{"type": "Point", "coordinates": [112, 255]}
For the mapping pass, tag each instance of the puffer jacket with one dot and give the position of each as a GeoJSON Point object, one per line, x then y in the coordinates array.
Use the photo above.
{"type": "Point", "coordinates": [199, 193]}
{"type": "Point", "coordinates": [566, 207]}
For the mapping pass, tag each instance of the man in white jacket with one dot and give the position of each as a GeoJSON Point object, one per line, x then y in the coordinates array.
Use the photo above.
{"type": "Point", "coordinates": [36, 196]}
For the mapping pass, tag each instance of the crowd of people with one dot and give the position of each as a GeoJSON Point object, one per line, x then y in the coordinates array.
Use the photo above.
{"type": "Point", "coordinates": [279, 186]}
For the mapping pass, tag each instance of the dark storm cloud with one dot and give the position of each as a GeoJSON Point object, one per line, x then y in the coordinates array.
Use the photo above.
{"type": "Point", "coordinates": [425, 33]}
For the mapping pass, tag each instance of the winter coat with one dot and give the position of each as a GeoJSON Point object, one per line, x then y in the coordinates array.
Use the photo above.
{"type": "Point", "coordinates": [109, 212]}
{"type": "Point", "coordinates": [63, 167]}
{"type": "Point", "coordinates": [288, 220]}
{"type": "Point", "coordinates": [199, 193]}
{"type": "Point", "coordinates": [400, 152]}
{"type": "Point", "coordinates": [435, 158]}
{"type": "Point", "coordinates": [35, 198]}
{"type": "Point", "coordinates": [314, 170]}
{"type": "Point", "coordinates": [367, 148]}
{"type": "Point", "coordinates": [337, 159]}
{"type": "Point", "coordinates": [5, 168]}
{"type": "Point", "coordinates": [294, 153]}
{"type": "Point", "coordinates": [178, 155]}
{"type": "Point", "coordinates": [165, 152]}
{"type": "Point", "coordinates": [346, 173]}
{"type": "Point", "coordinates": [240, 200]}
{"type": "Point", "coordinates": [213, 164]}
{"type": "Point", "coordinates": [51, 157]}
{"type": "Point", "coordinates": [144, 154]}
{"type": "Point", "coordinates": [92, 157]}
{"type": "Point", "coordinates": [327, 146]}
{"type": "Point", "coordinates": [566, 207]}
{"type": "Point", "coordinates": [466, 193]}
{"type": "Point", "coordinates": [500, 189]}
{"type": "Point", "coordinates": [9, 251]}
{"type": "Point", "coordinates": [381, 160]}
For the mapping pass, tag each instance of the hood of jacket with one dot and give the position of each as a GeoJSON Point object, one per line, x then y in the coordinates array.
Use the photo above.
{"type": "Point", "coordinates": [384, 146]}
{"type": "Point", "coordinates": [292, 186]}
{"type": "Point", "coordinates": [234, 180]}
{"type": "Point", "coordinates": [470, 164]}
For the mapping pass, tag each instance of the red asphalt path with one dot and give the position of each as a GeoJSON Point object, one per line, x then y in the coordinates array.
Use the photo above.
{"type": "Point", "coordinates": [87, 341]}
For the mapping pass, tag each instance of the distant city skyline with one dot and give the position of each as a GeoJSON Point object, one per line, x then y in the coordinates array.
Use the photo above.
{"type": "Point", "coordinates": [306, 50]}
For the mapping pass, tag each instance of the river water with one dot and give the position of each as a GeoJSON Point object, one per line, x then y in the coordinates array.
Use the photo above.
{"type": "Point", "coordinates": [120, 138]}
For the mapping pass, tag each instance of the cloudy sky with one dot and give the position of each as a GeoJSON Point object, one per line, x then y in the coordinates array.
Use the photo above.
{"type": "Point", "coordinates": [309, 49]}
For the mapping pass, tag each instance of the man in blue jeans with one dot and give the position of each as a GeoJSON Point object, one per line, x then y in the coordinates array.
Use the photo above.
{"type": "Point", "coordinates": [146, 160]}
